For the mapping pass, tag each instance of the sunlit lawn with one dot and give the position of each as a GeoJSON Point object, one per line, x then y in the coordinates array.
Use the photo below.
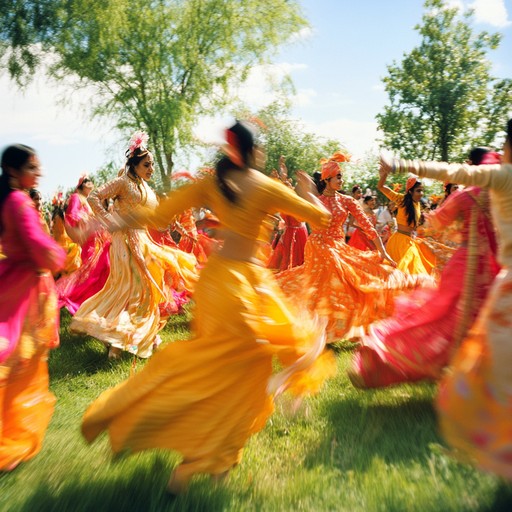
{"type": "Point", "coordinates": [343, 450]}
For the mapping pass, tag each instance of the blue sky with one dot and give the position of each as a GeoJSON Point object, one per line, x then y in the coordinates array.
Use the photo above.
{"type": "Point", "coordinates": [336, 67]}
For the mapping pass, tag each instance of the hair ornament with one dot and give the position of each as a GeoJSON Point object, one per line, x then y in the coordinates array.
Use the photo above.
{"type": "Point", "coordinates": [139, 140]}
{"type": "Point", "coordinates": [491, 158]}
{"type": "Point", "coordinates": [232, 148]}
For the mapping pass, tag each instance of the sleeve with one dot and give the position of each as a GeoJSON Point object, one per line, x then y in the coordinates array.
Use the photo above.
{"type": "Point", "coordinates": [392, 195]}
{"type": "Point", "coordinates": [40, 247]}
{"type": "Point", "coordinates": [96, 198]}
{"type": "Point", "coordinates": [448, 212]}
{"type": "Point", "coordinates": [73, 214]}
{"type": "Point", "coordinates": [363, 221]}
{"type": "Point", "coordinates": [182, 199]}
{"type": "Point", "coordinates": [486, 176]}
{"type": "Point", "coordinates": [284, 200]}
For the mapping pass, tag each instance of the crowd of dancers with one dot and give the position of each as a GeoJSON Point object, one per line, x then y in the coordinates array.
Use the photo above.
{"type": "Point", "coordinates": [411, 296]}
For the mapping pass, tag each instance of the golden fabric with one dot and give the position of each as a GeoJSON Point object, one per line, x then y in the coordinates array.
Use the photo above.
{"type": "Point", "coordinates": [206, 396]}
{"type": "Point", "coordinates": [73, 251]}
{"type": "Point", "coordinates": [145, 278]}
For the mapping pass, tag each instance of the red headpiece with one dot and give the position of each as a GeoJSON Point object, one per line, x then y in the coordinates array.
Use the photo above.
{"type": "Point", "coordinates": [411, 181]}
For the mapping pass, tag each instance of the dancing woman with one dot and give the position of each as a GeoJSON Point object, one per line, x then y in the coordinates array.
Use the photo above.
{"type": "Point", "coordinates": [475, 397]}
{"type": "Point", "coordinates": [349, 287]}
{"type": "Point", "coordinates": [205, 397]}
{"type": "Point", "coordinates": [145, 278]}
{"type": "Point", "coordinates": [418, 341]}
{"type": "Point", "coordinates": [411, 255]}
{"type": "Point", "coordinates": [29, 321]}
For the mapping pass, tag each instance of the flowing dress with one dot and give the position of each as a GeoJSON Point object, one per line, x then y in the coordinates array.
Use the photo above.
{"type": "Point", "coordinates": [205, 397]}
{"type": "Point", "coordinates": [411, 254]}
{"type": "Point", "coordinates": [145, 281]}
{"type": "Point", "coordinates": [289, 250]}
{"type": "Point", "coordinates": [475, 397]}
{"type": "Point", "coordinates": [349, 287]}
{"type": "Point", "coordinates": [420, 338]}
{"type": "Point", "coordinates": [76, 287]}
{"type": "Point", "coordinates": [29, 327]}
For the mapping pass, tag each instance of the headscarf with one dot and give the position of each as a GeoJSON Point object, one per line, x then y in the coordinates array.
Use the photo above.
{"type": "Point", "coordinates": [411, 181]}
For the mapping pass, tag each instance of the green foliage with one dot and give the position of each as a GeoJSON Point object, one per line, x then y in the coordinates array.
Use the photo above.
{"type": "Point", "coordinates": [154, 65]}
{"type": "Point", "coordinates": [443, 98]}
{"type": "Point", "coordinates": [287, 137]}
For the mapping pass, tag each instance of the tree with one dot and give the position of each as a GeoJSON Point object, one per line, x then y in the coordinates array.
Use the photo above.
{"type": "Point", "coordinates": [443, 99]}
{"type": "Point", "coordinates": [155, 65]}
{"type": "Point", "coordinates": [287, 137]}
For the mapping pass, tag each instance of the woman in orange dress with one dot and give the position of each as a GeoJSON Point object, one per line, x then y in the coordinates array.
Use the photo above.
{"type": "Point", "coordinates": [349, 287]}
{"type": "Point", "coordinates": [205, 397]}
{"type": "Point", "coordinates": [29, 321]}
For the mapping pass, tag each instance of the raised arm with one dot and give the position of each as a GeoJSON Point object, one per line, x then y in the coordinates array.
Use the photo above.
{"type": "Point", "coordinates": [487, 176]}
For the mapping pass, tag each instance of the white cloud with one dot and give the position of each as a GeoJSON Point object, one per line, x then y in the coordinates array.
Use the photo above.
{"type": "Point", "coordinates": [492, 12]}
{"type": "Point", "coordinates": [359, 137]}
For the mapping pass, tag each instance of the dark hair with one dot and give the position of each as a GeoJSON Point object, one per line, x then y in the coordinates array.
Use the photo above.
{"type": "Point", "coordinates": [319, 182]}
{"type": "Point", "coordinates": [408, 205]}
{"type": "Point", "coordinates": [132, 160]}
{"type": "Point", "coordinates": [14, 156]}
{"type": "Point", "coordinates": [244, 144]}
{"type": "Point", "coordinates": [448, 188]}
{"type": "Point", "coordinates": [85, 180]}
{"type": "Point", "coordinates": [476, 155]}
{"type": "Point", "coordinates": [368, 198]}
{"type": "Point", "coordinates": [509, 132]}
{"type": "Point", "coordinates": [356, 187]}
{"type": "Point", "coordinates": [33, 193]}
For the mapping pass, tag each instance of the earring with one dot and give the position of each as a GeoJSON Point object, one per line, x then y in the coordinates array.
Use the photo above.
{"type": "Point", "coordinates": [14, 182]}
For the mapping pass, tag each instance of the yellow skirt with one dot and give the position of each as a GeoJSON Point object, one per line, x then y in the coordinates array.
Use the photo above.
{"type": "Point", "coordinates": [411, 255]}
{"type": "Point", "coordinates": [205, 397]}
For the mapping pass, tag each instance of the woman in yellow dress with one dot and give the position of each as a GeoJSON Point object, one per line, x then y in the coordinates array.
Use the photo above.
{"type": "Point", "coordinates": [145, 279]}
{"type": "Point", "coordinates": [411, 255]}
{"type": "Point", "coordinates": [205, 397]}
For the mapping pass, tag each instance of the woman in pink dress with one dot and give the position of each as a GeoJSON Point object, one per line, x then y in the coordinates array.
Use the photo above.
{"type": "Point", "coordinates": [418, 341]}
{"type": "Point", "coordinates": [29, 322]}
{"type": "Point", "coordinates": [89, 279]}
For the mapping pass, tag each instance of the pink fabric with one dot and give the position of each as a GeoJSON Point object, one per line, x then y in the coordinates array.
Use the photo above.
{"type": "Point", "coordinates": [29, 251]}
{"type": "Point", "coordinates": [89, 279]}
{"type": "Point", "coordinates": [418, 341]}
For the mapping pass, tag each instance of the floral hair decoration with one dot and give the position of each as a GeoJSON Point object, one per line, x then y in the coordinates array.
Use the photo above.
{"type": "Point", "coordinates": [139, 140]}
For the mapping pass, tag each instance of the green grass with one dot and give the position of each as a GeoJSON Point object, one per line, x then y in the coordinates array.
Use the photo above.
{"type": "Point", "coordinates": [341, 450]}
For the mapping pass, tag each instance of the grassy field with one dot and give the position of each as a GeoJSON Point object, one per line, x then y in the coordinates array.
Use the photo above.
{"type": "Point", "coordinates": [342, 450]}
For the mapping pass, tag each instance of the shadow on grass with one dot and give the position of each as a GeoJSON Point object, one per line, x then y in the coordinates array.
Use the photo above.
{"type": "Point", "coordinates": [502, 499]}
{"type": "Point", "coordinates": [359, 431]}
{"type": "Point", "coordinates": [141, 489]}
